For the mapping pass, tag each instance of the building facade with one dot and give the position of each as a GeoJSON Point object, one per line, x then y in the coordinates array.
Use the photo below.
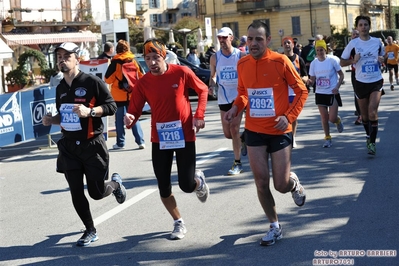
{"type": "Point", "coordinates": [300, 18]}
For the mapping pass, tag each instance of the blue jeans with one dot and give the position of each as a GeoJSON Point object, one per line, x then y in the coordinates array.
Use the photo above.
{"type": "Point", "coordinates": [120, 129]}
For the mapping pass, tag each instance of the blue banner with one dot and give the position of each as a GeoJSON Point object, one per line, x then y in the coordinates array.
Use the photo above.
{"type": "Point", "coordinates": [21, 115]}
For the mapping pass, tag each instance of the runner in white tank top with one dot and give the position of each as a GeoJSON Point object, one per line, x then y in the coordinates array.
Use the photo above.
{"type": "Point", "coordinates": [226, 75]}
{"type": "Point", "coordinates": [223, 66]}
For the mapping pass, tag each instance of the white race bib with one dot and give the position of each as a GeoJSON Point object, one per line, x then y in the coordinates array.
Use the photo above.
{"type": "Point", "coordinates": [69, 120]}
{"type": "Point", "coordinates": [171, 135]}
{"type": "Point", "coordinates": [261, 102]}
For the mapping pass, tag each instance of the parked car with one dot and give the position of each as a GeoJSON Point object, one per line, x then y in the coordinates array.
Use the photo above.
{"type": "Point", "coordinates": [202, 74]}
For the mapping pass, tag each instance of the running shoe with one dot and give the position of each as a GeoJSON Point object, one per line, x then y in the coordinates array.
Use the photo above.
{"type": "Point", "coordinates": [271, 236]}
{"type": "Point", "coordinates": [179, 230]}
{"type": "Point", "coordinates": [120, 192]}
{"type": "Point", "coordinates": [371, 148]}
{"type": "Point", "coordinates": [340, 125]}
{"type": "Point", "coordinates": [298, 194]}
{"type": "Point", "coordinates": [235, 169]}
{"type": "Point", "coordinates": [392, 88]}
{"type": "Point", "coordinates": [327, 144]}
{"type": "Point", "coordinates": [87, 237]}
{"type": "Point", "coordinates": [203, 190]}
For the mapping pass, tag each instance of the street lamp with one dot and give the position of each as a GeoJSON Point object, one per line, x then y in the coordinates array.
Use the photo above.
{"type": "Point", "coordinates": [184, 31]}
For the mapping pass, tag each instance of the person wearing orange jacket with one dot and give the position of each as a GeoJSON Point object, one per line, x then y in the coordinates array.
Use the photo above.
{"type": "Point", "coordinates": [114, 76]}
{"type": "Point", "coordinates": [263, 80]}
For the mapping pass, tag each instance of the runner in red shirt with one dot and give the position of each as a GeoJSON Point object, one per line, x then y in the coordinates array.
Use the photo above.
{"type": "Point", "coordinates": [165, 87]}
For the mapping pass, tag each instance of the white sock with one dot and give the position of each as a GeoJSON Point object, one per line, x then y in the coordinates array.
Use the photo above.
{"type": "Point", "coordinates": [275, 225]}
{"type": "Point", "coordinates": [179, 220]}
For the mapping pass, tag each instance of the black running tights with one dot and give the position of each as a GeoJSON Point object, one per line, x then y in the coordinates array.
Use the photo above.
{"type": "Point", "coordinates": [97, 190]}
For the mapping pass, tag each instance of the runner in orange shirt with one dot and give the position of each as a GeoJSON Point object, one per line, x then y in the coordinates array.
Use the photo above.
{"type": "Point", "coordinates": [263, 80]}
{"type": "Point", "coordinates": [392, 57]}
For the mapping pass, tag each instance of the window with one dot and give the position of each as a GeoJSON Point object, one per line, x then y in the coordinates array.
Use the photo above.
{"type": "Point", "coordinates": [266, 21]}
{"type": "Point", "coordinates": [185, 15]}
{"type": "Point", "coordinates": [155, 19]}
{"type": "Point", "coordinates": [228, 1]}
{"type": "Point", "coordinates": [171, 18]}
{"type": "Point", "coordinates": [185, 4]}
{"type": "Point", "coordinates": [154, 4]}
{"type": "Point", "coordinates": [233, 26]}
{"type": "Point", "coordinates": [296, 25]}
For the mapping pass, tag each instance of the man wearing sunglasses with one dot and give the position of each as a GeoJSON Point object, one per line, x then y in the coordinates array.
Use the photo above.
{"type": "Point", "coordinates": [223, 66]}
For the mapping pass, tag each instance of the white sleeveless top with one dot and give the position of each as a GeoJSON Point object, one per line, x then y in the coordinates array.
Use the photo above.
{"type": "Point", "coordinates": [226, 76]}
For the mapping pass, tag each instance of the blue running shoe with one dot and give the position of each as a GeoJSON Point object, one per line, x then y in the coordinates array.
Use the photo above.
{"type": "Point", "coordinates": [87, 237]}
{"type": "Point", "coordinates": [235, 169]}
{"type": "Point", "coordinates": [119, 193]}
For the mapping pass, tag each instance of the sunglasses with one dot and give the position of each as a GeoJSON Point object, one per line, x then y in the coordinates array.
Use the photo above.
{"type": "Point", "coordinates": [222, 37]}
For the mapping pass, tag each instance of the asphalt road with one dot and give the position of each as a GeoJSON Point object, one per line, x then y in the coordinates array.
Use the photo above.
{"type": "Point", "coordinates": [350, 216]}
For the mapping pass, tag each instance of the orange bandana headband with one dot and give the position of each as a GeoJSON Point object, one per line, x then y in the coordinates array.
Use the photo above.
{"type": "Point", "coordinates": [154, 46]}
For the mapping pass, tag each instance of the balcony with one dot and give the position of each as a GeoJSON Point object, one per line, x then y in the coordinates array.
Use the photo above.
{"type": "Point", "coordinates": [249, 6]}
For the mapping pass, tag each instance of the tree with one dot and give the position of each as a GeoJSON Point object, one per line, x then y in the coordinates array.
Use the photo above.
{"type": "Point", "coordinates": [188, 23]}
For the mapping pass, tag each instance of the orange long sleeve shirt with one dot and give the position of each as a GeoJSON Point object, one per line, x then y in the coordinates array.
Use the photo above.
{"type": "Point", "coordinates": [263, 90]}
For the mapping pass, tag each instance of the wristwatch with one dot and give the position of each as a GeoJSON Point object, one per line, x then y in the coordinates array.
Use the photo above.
{"type": "Point", "coordinates": [92, 112]}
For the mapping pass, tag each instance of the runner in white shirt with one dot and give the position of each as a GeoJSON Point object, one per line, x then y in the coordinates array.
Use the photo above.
{"type": "Point", "coordinates": [223, 66]}
{"type": "Point", "coordinates": [368, 85]}
{"type": "Point", "coordinates": [323, 70]}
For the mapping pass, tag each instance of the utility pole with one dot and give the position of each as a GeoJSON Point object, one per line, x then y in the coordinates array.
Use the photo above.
{"type": "Point", "coordinates": [311, 18]}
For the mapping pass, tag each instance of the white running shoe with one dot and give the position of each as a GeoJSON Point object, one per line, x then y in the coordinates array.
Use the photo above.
{"type": "Point", "coordinates": [203, 191]}
{"type": "Point", "coordinates": [179, 231]}
{"type": "Point", "coordinates": [271, 236]}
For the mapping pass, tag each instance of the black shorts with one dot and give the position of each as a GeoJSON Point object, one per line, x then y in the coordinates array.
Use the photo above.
{"type": "Point", "coordinates": [90, 155]}
{"type": "Point", "coordinates": [225, 107]}
{"type": "Point", "coordinates": [394, 67]}
{"type": "Point", "coordinates": [273, 142]}
{"type": "Point", "coordinates": [363, 90]}
{"type": "Point", "coordinates": [328, 99]}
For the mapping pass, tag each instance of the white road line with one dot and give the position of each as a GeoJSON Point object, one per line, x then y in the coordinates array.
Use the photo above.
{"type": "Point", "coordinates": [146, 192]}
{"type": "Point", "coordinates": [210, 155]}
{"type": "Point", "coordinates": [123, 206]}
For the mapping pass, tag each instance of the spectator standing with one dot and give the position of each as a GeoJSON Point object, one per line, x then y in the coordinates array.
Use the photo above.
{"type": "Point", "coordinates": [193, 57]}
{"type": "Point", "coordinates": [114, 76]}
{"type": "Point", "coordinates": [56, 78]}
{"type": "Point", "coordinates": [108, 51]}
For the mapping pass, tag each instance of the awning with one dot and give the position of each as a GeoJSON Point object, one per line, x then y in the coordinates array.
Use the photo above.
{"type": "Point", "coordinates": [5, 51]}
{"type": "Point", "coordinates": [47, 38]}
